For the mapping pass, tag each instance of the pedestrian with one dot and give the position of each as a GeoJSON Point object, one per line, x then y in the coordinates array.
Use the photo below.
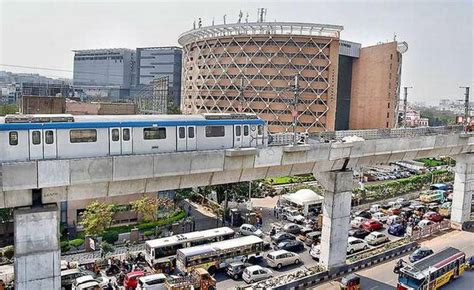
{"type": "Point", "coordinates": [2, 285]}
{"type": "Point", "coordinates": [109, 285]}
{"type": "Point", "coordinates": [274, 210]}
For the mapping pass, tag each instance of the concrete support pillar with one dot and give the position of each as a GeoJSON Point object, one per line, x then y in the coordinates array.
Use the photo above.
{"type": "Point", "coordinates": [37, 250]}
{"type": "Point", "coordinates": [463, 189]}
{"type": "Point", "coordinates": [336, 215]}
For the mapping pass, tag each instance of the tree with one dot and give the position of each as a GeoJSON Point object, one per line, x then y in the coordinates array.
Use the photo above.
{"type": "Point", "coordinates": [173, 109]}
{"type": "Point", "coordinates": [97, 218]}
{"type": "Point", "coordinates": [148, 207]}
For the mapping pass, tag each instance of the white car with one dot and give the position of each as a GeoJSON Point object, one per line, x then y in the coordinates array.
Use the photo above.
{"type": "Point", "coordinates": [315, 251]}
{"type": "Point", "coordinates": [280, 258]}
{"type": "Point", "coordinates": [356, 244]}
{"type": "Point", "coordinates": [249, 230]}
{"type": "Point", "coordinates": [394, 219]}
{"type": "Point", "coordinates": [152, 282]}
{"type": "Point", "coordinates": [294, 215]}
{"type": "Point", "coordinates": [256, 273]}
{"type": "Point", "coordinates": [424, 223]}
{"type": "Point", "coordinates": [88, 282]}
{"type": "Point", "coordinates": [380, 216]}
{"type": "Point", "coordinates": [375, 208]}
{"type": "Point", "coordinates": [376, 238]}
{"type": "Point", "coordinates": [358, 221]}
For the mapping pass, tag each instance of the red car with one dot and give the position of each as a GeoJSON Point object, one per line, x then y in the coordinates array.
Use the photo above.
{"type": "Point", "coordinates": [433, 216]}
{"type": "Point", "coordinates": [372, 225]}
{"type": "Point", "coordinates": [131, 280]}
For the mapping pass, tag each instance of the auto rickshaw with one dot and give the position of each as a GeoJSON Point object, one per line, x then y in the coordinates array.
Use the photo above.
{"type": "Point", "coordinates": [350, 282]}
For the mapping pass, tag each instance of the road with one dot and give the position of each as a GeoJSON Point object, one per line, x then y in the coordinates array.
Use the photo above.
{"type": "Point", "coordinates": [381, 277]}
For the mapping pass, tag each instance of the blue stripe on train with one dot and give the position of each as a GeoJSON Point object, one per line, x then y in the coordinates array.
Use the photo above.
{"type": "Point", "coordinates": [90, 125]}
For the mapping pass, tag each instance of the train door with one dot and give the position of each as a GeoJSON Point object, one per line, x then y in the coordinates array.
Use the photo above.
{"type": "Point", "coordinates": [127, 147]}
{"type": "Point", "coordinates": [246, 136]}
{"type": "Point", "coordinates": [181, 139]}
{"type": "Point", "coordinates": [50, 144]}
{"type": "Point", "coordinates": [115, 146]}
{"type": "Point", "coordinates": [36, 145]}
{"type": "Point", "coordinates": [191, 143]}
{"type": "Point", "coordinates": [237, 136]}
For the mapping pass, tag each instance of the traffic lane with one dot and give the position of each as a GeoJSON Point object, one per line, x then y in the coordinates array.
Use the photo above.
{"type": "Point", "coordinates": [381, 275]}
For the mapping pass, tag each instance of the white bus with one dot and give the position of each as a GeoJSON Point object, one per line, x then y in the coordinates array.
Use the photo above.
{"type": "Point", "coordinates": [217, 255]}
{"type": "Point", "coordinates": [158, 249]}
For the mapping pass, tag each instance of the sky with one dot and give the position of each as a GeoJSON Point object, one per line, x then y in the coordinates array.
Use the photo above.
{"type": "Point", "coordinates": [440, 34]}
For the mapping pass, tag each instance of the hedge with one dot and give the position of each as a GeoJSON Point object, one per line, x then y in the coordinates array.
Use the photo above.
{"type": "Point", "coordinates": [111, 236]}
{"type": "Point", "coordinates": [65, 246]}
{"type": "Point", "coordinates": [76, 243]}
{"type": "Point", "coordinates": [8, 252]}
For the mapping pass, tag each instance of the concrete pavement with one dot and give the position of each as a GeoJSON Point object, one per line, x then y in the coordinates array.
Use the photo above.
{"type": "Point", "coordinates": [381, 277]}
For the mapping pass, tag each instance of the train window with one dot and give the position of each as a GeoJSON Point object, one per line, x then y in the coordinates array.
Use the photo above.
{"type": "Point", "coordinates": [83, 136]}
{"type": "Point", "coordinates": [182, 133]}
{"type": "Point", "coordinates": [13, 138]}
{"type": "Point", "coordinates": [191, 132]}
{"type": "Point", "coordinates": [246, 130]}
{"type": "Point", "coordinates": [154, 133]}
{"type": "Point", "coordinates": [115, 135]}
{"type": "Point", "coordinates": [238, 131]}
{"type": "Point", "coordinates": [49, 137]}
{"type": "Point", "coordinates": [260, 130]}
{"type": "Point", "coordinates": [36, 137]}
{"type": "Point", "coordinates": [126, 134]}
{"type": "Point", "coordinates": [215, 131]}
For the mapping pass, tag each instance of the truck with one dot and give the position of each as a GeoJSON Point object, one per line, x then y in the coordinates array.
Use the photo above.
{"type": "Point", "coordinates": [198, 279]}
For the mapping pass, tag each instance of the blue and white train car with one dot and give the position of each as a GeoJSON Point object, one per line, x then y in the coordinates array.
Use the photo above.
{"type": "Point", "coordinates": [38, 137]}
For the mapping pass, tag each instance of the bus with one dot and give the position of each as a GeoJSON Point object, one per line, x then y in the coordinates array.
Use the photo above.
{"type": "Point", "coordinates": [218, 255]}
{"type": "Point", "coordinates": [157, 251]}
{"type": "Point", "coordinates": [433, 271]}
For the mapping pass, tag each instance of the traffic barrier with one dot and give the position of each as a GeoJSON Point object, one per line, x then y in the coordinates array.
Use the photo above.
{"type": "Point", "coordinates": [429, 230]}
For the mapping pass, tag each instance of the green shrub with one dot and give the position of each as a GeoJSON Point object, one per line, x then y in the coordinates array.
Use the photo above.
{"type": "Point", "coordinates": [107, 248]}
{"type": "Point", "coordinates": [148, 233]}
{"type": "Point", "coordinates": [8, 252]}
{"type": "Point", "coordinates": [167, 221]}
{"type": "Point", "coordinates": [110, 236]}
{"type": "Point", "coordinates": [76, 243]}
{"type": "Point", "coordinates": [65, 246]}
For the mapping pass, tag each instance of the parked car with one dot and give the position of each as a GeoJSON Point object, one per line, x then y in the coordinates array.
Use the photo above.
{"type": "Point", "coordinates": [152, 282]}
{"type": "Point", "coordinates": [292, 228]}
{"type": "Point", "coordinates": [433, 216]}
{"type": "Point", "coordinates": [419, 210]}
{"type": "Point", "coordinates": [358, 221]}
{"type": "Point", "coordinates": [355, 244]}
{"type": "Point", "coordinates": [420, 254]}
{"type": "Point", "coordinates": [424, 223]}
{"type": "Point", "coordinates": [376, 238]}
{"type": "Point", "coordinates": [236, 269]}
{"type": "Point", "coordinates": [380, 216]}
{"type": "Point", "coordinates": [375, 208]}
{"type": "Point", "coordinates": [396, 230]}
{"type": "Point", "coordinates": [256, 273]}
{"type": "Point", "coordinates": [311, 238]}
{"type": "Point", "coordinates": [281, 236]}
{"type": "Point", "coordinates": [364, 214]}
{"type": "Point", "coordinates": [372, 225]}
{"type": "Point", "coordinates": [358, 233]}
{"type": "Point", "coordinates": [290, 245]}
{"type": "Point", "coordinates": [280, 258]}
{"type": "Point", "coordinates": [394, 219]}
{"type": "Point", "coordinates": [131, 279]}
{"type": "Point", "coordinates": [293, 215]}
{"type": "Point", "coordinates": [248, 230]}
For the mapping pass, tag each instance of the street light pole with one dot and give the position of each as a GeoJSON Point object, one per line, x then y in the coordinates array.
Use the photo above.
{"type": "Point", "coordinates": [466, 107]}
{"type": "Point", "coordinates": [296, 91]}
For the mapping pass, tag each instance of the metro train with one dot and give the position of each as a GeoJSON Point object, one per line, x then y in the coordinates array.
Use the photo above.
{"type": "Point", "coordinates": [43, 137]}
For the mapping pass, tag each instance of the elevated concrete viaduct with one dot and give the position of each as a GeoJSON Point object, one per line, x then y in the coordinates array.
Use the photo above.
{"type": "Point", "coordinates": [50, 181]}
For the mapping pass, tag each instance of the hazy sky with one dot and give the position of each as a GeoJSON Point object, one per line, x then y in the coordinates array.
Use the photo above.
{"type": "Point", "coordinates": [439, 33]}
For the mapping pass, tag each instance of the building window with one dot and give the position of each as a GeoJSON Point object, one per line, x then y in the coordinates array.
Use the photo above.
{"type": "Point", "coordinates": [388, 105]}
{"type": "Point", "coordinates": [115, 135]}
{"type": "Point", "coordinates": [215, 131]}
{"type": "Point", "coordinates": [154, 133]}
{"type": "Point", "coordinates": [36, 137]}
{"type": "Point", "coordinates": [391, 56]}
{"type": "Point", "coordinates": [83, 136]}
{"type": "Point", "coordinates": [126, 134]}
{"type": "Point", "coordinates": [49, 137]}
{"type": "Point", "coordinates": [13, 138]}
{"type": "Point", "coordinates": [388, 115]}
{"type": "Point", "coordinates": [387, 124]}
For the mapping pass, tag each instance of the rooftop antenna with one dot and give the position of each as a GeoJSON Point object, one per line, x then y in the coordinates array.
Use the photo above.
{"type": "Point", "coordinates": [194, 24]}
{"type": "Point", "coordinates": [394, 37]}
{"type": "Point", "coordinates": [212, 21]}
{"type": "Point", "coordinates": [240, 16]}
{"type": "Point", "coordinates": [200, 22]}
{"type": "Point", "coordinates": [224, 17]}
{"type": "Point", "coordinates": [247, 18]}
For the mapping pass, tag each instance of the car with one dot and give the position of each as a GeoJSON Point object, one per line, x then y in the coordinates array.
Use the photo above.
{"type": "Point", "coordinates": [131, 279]}
{"type": "Point", "coordinates": [355, 244]}
{"type": "Point", "coordinates": [236, 269]}
{"type": "Point", "coordinates": [364, 214]}
{"type": "Point", "coordinates": [68, 277]}
{"type": "Point", "coordinates": [393, 211]}
{"type": "Point", "coordinates": [280, 258]}
{"type": "Point", "coordinates": [86, 283]}
{"type": "Point", "coordinates": [375, 208]}
{"type": "Point", "coordinates": [292, 228]}
{"type": "Point", "coordinates": [315, 251]}
{"type": "Point", "coordinates": [402, 202]}
{"type": "Point", "coordinates": [396, 230]}
{"type": "Point", "coordinates": [281, 236]}
{"type": "Point", "coordinates": [256, 273]}
{"type": "Point", "coordinates": [152, 282]}
{"type": "Point", "coordinates": [248, 230]}
{"type": "Point", "coordinates": [357, 221]}
{"type": "Point", "coordinates": [293, 215]}
{"type": "Point", "coordinates": [376, 238]}
{"type": "Point", "coordinates": [394, 219]}
{"type": "Point", "coordinates": [420, 254]}
{"type": "Point", "coordinates": [372, 225]}
{"type": "Point", "coordinates": [380, 216]}
{"type": "Point", "coordinates": [433, 216]}
{"type": "Point", "coordinates": [311, 238]}
{"type": "Point", "coordinates": [291, 245]}
{"type": "Point", "coordinates": [424, 223]}
{"type": "Point", "coordinates": [358, 233]}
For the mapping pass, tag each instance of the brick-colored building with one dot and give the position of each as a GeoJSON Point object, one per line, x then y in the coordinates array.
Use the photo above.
{"type": "Point", "coordinates": [100, 108]}
{"type": "Point", "coordinates": [42, 105]}
{"type": "Point", "coordinates": [376, 86]}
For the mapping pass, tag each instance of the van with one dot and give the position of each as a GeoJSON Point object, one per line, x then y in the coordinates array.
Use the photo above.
{"type": "Point", "coordinates": [280, 258]}
{"type": "Point", "coordinates": [152, 282]}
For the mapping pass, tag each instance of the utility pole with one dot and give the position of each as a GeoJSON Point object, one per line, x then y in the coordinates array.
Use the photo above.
{"type": "Point", "coordinates": [296, 91]}
{"type": "Point", "coordinates": [405, 104]}
{"type": "Point", "coordinates": [466, 107]}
